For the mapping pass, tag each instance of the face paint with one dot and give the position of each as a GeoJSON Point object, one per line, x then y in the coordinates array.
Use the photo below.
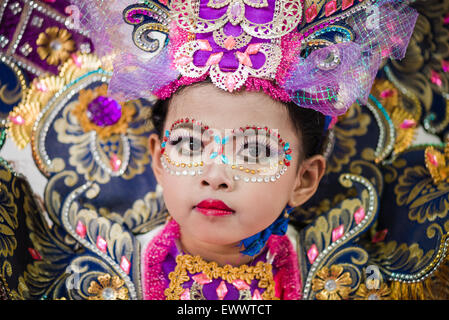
{"type": "Point", "coordinates": [252, 153]}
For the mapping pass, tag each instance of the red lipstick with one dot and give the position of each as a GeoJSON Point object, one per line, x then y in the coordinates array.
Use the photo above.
{"type": "Point", "coordinates": [213, 207]}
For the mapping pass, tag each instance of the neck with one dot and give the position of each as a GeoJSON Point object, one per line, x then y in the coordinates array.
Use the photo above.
{"type": "Point", "coordinates": [221, 254]}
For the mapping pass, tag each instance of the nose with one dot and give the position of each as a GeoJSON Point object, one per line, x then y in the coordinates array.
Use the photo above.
{"type": "Point", "coordinates": [215, 177]}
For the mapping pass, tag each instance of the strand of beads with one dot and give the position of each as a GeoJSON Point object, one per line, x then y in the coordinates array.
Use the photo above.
{"type": "Point", "coordinates": [178, 169]}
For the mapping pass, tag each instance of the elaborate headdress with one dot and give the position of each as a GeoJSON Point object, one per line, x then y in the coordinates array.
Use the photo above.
{"type": "Point", "coordinates": [322, 55]}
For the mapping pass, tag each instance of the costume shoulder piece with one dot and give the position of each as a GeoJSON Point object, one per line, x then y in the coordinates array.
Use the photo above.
{"type": "Point", "coordinates": [398, 141]}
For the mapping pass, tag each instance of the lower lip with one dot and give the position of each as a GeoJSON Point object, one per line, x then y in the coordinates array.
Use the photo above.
{"type": "Point", "coordinates": [210, 212]}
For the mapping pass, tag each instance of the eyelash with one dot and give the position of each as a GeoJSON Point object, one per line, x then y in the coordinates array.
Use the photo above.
{"type": "Point", "coordinates": [272, 151]}
{"type": "Point", "coordinates": [173, 141]}
{"type": "Point", "coordinates": [262, 145]}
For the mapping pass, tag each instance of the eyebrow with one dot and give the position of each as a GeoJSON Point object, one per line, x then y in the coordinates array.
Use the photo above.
{"type": "Point", "coordinates": [257, 132]}
{"type": "Point", "coordinates": [252, 131]}
{"type": "Point", "coordinates": [184, 125]}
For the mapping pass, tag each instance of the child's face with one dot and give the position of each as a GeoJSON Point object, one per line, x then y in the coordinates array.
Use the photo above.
{"type": "Point", "coordinates": [255, 205]}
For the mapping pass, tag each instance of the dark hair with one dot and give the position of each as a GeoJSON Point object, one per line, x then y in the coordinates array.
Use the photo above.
{"type": "Point", "coordinates": [308, 123]}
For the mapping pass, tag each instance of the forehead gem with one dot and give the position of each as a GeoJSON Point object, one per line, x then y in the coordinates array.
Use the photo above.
{"type": "Point", "coordinates": [214, 58]}
{"type": "Point", "coordinates": [230, 82]}
{"type": "Point", "coordinates": [253, 48]}
{"type": "Point", "coordinates": [204, 45]}
{"type": "Point", "coordinates": [229, 43]}
{"type": "Point", "coordinates": [183, 60]}
{"type": "Point", "coordinates": [244, 58]}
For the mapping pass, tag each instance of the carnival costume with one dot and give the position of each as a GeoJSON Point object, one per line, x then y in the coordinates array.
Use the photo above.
{"type": "Point", "coordinates": [380, 230]}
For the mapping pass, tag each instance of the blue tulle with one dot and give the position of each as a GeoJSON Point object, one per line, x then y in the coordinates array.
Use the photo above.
{"type": "Point", "coordinates": [255, 243]}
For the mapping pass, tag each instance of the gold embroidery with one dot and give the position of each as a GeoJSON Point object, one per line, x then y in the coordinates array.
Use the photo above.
{"type": "Point", "coordinates": [386, 93]}
{"type": "Point", "coordinates": [55, 45]}
{"type": "Point", "coordinates": [404, 120]}
{"type": "Point", "coordinates": [332, 284]}
{"type": "Point", "coordinates": [21, 132]}
{"type": "Point", "coordinates": [407, 291]}
{"type": "Point", "coordinates": [353, 124]}
{"type": "Point", "coordinates": [437, 164]}
{"type": "Point", "coordinates": [425, 201]}
{"type": "Point", "coordinates": [262, 271]}
{"type": "Point", "coordinates": [9, 221]}
{"type": "Point", "coordinates": [39, 94]}
{"type": "Point", "coordinates": [110, 288]}
{"type": "Point", "coordinates": [372, 290]}
{"type": "Point", "coordinates": [405, 129]}
{"type": "Point", "coordinates": [10, 96]}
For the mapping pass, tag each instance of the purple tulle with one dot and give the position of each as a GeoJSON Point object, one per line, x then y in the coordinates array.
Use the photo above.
{"type": "Point", "coordinates": [134, 79]}
{"type": "Point", "coordinates": [136, 73]}
{"type": "Point", "coordinates": [331, 79]}
{"type": "Point", "coordinates": [328, 80]}
{"type": "Point", "coordinates": [328, 91]}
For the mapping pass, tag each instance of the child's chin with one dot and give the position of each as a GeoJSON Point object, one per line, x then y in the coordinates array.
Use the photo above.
{"type": "Point", "coordinates": [222, 237]}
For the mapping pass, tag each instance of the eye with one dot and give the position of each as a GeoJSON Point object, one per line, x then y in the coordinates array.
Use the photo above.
{"type": "Point", "coordinates": [256, 151]}
{"type": "Point", "coordinates": [186, 145]}
{"type": "Point", "coordinates": [195, 144]}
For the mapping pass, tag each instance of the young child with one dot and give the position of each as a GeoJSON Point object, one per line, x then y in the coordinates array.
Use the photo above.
{"type": "Point", "coordinates": [215, 209]}
{"type": "Point", "coordinates": [247, 91]}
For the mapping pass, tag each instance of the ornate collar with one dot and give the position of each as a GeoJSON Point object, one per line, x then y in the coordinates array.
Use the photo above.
{"type": "Point", "coordinates": [285, 284]}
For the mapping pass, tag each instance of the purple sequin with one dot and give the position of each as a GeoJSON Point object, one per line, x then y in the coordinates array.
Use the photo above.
{"type": "Point", "coordinates": [104, 111]}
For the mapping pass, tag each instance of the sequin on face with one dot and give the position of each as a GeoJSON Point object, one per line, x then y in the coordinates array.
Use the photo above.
{"type": "Point", "coordinates": [252, 153]}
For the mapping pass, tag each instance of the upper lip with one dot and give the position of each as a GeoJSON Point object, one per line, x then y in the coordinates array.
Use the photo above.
{"type": "Point", "coordinates": [213, 204]}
